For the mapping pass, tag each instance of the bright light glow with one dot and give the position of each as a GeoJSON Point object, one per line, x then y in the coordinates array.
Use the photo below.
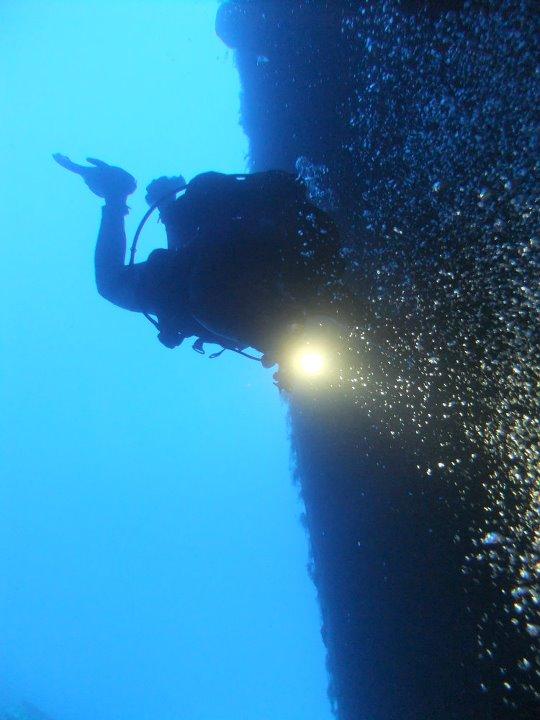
{"type": "Point", "coordinates": [311, 363]}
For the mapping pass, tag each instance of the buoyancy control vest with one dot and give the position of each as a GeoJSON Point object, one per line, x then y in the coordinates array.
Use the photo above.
{"type": "Point", "coordinates": [260, 253]}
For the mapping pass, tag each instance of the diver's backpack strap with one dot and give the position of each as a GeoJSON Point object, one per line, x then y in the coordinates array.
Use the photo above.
{"type": "Point", "coordinates": [198, 346]}
{"type": "Point", "coordinates": [217, 354]}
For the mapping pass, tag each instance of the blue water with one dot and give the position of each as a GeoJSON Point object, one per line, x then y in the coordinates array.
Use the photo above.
{"type": "Point", "coordinates": [152, 563]}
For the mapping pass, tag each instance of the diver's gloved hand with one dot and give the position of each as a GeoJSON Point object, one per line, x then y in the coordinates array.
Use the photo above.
{"type": "Point", "coordinates": [162, 190]}
{"type": "Point", "coordinates": [106, 181]}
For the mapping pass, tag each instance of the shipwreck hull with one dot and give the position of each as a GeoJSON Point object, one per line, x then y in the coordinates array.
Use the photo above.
{"type": "Point", "coordinates": [419, 475]}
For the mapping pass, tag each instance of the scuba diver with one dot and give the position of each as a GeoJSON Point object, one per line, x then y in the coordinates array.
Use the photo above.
{"type": "Point", "coordinates": [249, 257]}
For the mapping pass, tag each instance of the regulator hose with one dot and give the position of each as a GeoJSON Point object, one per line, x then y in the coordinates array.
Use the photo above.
{"type": "Point", "coordinates": [145, 217]}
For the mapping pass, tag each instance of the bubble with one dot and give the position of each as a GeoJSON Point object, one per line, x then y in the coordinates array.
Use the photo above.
{"type": "Point", "coordinates": [493, 538]}
{"type": "Point", "coordinates": [533, 630]}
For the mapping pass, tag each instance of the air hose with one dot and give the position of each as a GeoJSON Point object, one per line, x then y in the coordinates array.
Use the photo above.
{"type": "Point", "coordinates": [146, 216]}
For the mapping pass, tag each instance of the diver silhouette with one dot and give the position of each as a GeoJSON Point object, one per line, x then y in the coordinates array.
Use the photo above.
{"type": "Point", "coordinates": [248, 256]}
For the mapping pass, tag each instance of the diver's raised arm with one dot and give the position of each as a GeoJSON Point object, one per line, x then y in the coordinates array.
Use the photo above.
{"type": "Point", "coordinates": [115, 281]}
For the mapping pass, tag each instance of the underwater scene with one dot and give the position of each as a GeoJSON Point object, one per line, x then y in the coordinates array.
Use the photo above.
{"type": "Point", "coordinates": [270, 365]}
